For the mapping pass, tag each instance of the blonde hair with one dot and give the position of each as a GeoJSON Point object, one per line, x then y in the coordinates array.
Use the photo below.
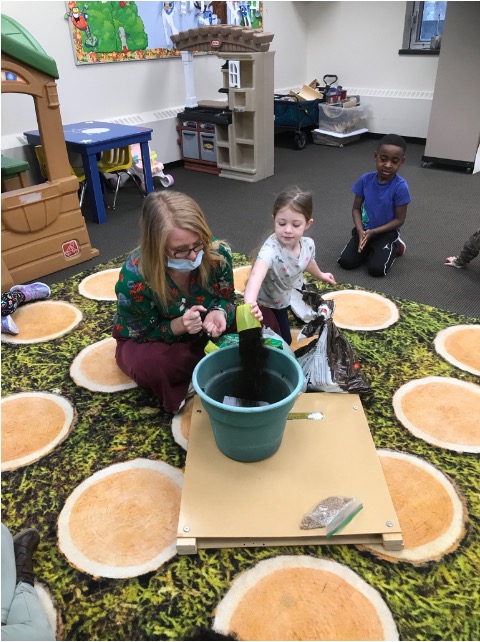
{"type": "Point", "coordinates": [162, 212]}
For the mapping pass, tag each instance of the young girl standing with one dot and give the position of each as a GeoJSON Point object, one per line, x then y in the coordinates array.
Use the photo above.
{"type": "Point", "coordinates": [283, 259]}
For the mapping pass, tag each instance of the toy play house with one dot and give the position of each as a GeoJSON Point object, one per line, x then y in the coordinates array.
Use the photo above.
{"type": "Point", "coordinates": [43, 229]}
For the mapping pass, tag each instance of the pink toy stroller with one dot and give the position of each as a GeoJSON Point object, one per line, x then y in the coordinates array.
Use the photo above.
{"type": "Point", "coordinates": [136, 169]}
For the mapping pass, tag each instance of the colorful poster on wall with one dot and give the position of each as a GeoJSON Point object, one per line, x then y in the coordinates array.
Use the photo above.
{"type": "Point", "coordinates": [127, 31]}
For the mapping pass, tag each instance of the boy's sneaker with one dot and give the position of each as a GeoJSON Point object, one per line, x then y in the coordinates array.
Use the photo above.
{"type": "Point", "coordinates": [453, 261]}
{"type": "Point", "coordinates": [401, 247]}
{"type": "Point", "coordinates": [33, 291]}
{"type": "Point", "coordinates": [9, 326]}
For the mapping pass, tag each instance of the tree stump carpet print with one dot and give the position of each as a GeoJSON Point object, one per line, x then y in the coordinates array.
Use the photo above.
{"type": "Point", "coordinates": [105, 482]}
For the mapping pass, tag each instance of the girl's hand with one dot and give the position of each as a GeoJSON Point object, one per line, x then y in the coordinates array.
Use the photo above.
{"type": "Point", "coordinates": [328, 278]}
{"type": "Point", "coordinates": [257, 313]}
{"type": "Point", "coordinates": [192, 320]}
{"type": "Point", "coordinates": [215, 323]}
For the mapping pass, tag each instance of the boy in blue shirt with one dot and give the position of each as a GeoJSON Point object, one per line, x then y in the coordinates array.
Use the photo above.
{"type": "Point", "coordinates": [379, 210]}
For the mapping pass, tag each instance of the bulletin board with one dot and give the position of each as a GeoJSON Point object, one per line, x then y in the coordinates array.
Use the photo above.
{"type": "Point", "coordinates": [131, 31]}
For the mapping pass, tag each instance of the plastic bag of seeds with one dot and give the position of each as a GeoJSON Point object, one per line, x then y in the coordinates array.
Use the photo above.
{"type": "Point", "coordinates": [333, 513]}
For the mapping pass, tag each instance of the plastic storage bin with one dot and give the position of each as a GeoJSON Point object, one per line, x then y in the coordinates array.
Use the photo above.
{"type": "Point", "coordinates": [342, 120]}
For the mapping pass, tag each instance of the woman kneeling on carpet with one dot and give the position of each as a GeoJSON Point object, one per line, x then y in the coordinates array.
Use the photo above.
{"type": "Point", "coordinates": [173, 292]}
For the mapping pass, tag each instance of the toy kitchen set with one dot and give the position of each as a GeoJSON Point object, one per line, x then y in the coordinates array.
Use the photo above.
{"type": "Point", "coordinates": [232, 138]}
{"type": "Point", "coordinates": [197, 138]}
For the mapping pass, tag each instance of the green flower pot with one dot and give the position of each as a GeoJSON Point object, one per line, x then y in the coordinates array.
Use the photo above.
{"type": "Point", "coordinates": [247, 433]}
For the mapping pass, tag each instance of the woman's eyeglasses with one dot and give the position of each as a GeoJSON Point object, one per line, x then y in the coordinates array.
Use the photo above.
{"type": "Point", "coordinates": [184, 254]}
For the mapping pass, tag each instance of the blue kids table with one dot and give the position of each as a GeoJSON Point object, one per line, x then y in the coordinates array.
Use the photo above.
{"type": "Point", "coordinates": [91, 137]}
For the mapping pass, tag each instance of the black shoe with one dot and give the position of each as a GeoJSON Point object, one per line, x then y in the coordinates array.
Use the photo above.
{"type": "Point", "coordinates": [24, 545]}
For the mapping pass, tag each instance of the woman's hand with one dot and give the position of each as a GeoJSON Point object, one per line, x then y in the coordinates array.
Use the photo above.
{"type": "Point", "coordinates": [215, 323]}
{"type": "Point", "coordinates": [192, 321]}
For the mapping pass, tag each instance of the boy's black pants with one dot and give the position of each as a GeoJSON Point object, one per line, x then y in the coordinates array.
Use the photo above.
{"type": "Point", "coordinates": [379, 253]}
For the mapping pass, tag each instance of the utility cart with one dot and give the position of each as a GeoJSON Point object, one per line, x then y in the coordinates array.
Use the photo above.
{"type": "Point", "coordinates": [298, 116]}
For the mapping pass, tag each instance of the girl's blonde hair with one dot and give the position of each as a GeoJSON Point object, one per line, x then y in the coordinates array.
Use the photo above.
{"type": "Point", "coordinates": [162, 212]}
{"type": "Point", "coordinates": [299, 200]}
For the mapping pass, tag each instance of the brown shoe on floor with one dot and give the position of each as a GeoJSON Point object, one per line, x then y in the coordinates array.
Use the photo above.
{"type": "Point", "coordinates": [24, 545]}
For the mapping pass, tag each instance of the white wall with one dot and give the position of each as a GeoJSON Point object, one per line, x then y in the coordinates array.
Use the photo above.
{"type": "Point", "coordinates": [358, 41]}
{"type": "Point", "coordinates": [289, 22]}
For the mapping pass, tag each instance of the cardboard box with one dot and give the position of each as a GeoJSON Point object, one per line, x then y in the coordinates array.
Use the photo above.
{"type": "Point", "coordinates": [306, 93]}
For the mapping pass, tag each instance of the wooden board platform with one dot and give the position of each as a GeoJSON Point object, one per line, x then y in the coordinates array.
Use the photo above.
{"type": "Point", "coordinates": [226, 503]}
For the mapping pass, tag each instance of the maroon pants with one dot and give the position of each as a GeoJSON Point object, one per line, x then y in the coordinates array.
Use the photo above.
{"type": "Point", "coordinates": [166, 368]}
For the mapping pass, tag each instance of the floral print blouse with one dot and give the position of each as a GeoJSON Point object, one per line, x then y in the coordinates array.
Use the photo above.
{"type": "Point", "coordinates": [140, 315]}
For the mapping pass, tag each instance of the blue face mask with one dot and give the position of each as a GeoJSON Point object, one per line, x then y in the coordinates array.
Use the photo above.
{"type": "Point", "coordinates": [184, 265]}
